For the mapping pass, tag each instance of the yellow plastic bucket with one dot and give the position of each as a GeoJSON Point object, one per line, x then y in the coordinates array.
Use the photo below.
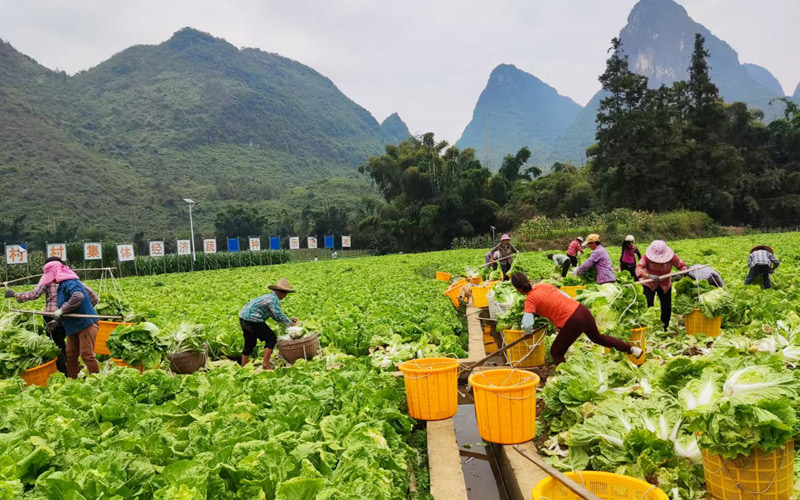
{"type": "Point", "coordinates": [480, 295]}
{"type": "Point", "coordinates": [455, 291]}
{"type": "Point", "coordinates": [605, 485]}
{"type": "Point", "coordinates": [638, 338]}
{"type": "Point", "coordinates": [697, 323]}
{"type": "Point", "coordinates": [527, 354]}
{"type": "Point", "coordinates": [104, 330]}
{"type": "Point", "coordinates": [475, 280]}
{"type": "Point", "coordinates": [440, 276]}
{"type": "Point", "coordinates": [505, 405]}
{"type": "Point", "coordinates": [489, 344]}
{"type": "Point", "coordinates": [758, 476]}
{"type": "Point", "coordinates": [572, 291]}
{"type": "Point", "coordinates": [431, 387]}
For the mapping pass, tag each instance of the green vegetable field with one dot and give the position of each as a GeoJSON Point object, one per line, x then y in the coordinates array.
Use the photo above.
{"type": "Point", "coordinates": [337, 427]}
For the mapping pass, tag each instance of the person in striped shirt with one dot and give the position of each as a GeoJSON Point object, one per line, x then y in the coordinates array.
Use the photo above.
{"type": "Point", "coordinates": [50, 291]}
{"type": "Point", "coordinates": [575, 247]}
{"type": "Point", "coordinates": [253, 320]}
{"type": "Point", "coordinates": [762, 262]}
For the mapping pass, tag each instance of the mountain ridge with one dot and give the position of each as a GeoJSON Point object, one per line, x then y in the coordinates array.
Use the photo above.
{"type": "Point", "coordinates": [519, 110]}
{"type": "Point", "coordinates": [191, 116]}
{"type": "Point", "coordinates": [658, 38]}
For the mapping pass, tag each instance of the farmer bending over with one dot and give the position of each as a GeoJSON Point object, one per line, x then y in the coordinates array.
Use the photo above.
{"type": "Point", "coordinates": [253, 320]}
{"type": "Point", "coordinates": [568, 315]}
{"type": "Point", "coordinates": [55, 328]}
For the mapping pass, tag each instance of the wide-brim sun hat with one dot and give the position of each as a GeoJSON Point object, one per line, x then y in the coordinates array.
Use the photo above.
{"type": "Point", "coordinates": [659, 252]}
{"type": "Point", "coordinates": [592, 238]}
{"type": "Point", "coordinates": [762, 247]}
{"type": "Point", "coordinates": [505, 237]}
{"type": "Point", "coordinates": [282, 286]}
{"type": "Point", "coordinates": [630, 238]}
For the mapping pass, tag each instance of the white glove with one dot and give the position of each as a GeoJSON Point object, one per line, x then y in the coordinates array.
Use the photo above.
{"type": "Point", "coordinates": [527, 322]}
{"type": "Point", "coordinates": [58, 312]}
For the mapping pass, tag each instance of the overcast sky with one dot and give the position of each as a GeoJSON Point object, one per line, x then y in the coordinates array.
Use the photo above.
{"type": "Point", "coordinates": [426, 59]}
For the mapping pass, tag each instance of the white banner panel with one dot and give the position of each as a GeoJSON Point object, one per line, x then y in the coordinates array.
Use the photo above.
{"type": "Point", "coordinates": [345, 242]}
{"type": "Point", "coordinates": [156, 249]}
{"type": "Point", "coordinates": [57, 250]}
{"type": "Point", "coordinates": [184, 247]}
{"type": "Point", "coordinates": [16, 254]}
{"type": "Point", "coordinates": [294, 243]}
{"type": "Point", "coordinates": [312, 242]}
{"type": "Point", "coordinates": [92, 251]}
{"type": "Point", "coordinates": [125, 253]}
{"type": "Point", "coordinates": [255, 244]}
{"type": "Point", "coordinates": [210, 246]}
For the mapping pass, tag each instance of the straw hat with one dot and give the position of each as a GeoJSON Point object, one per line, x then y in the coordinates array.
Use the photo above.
{"type": "Point", "coordinates": [282, 286]}
{"type": "Point", "coordinates": [579, 238]}
{"type": "Point", "coordinates": [630, 238]}
{"type": "Point", "coordinates": [762, 247]}
{"type": "Point", "coordinates": [592, 238]}
{"type": "Point", "coordinates": [659, 252]}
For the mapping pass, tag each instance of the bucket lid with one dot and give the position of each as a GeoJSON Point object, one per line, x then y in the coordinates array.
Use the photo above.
{"type": "Point", "coordinates": [526, 379]}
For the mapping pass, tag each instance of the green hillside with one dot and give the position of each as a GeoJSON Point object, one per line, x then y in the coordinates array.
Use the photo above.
{"type": "Point", "coordinates": [115, 147]}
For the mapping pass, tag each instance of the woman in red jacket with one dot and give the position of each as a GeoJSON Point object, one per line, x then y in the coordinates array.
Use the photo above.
{"type": "Point", "coordinates": [567, 314]}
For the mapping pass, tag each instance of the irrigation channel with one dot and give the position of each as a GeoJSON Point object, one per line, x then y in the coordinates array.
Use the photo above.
{"type": "Point", "coordinates": [479, 464]}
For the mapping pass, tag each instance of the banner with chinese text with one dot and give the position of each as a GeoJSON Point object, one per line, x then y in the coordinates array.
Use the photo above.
{"type": "Point", "coordinates": [16, 254]}
{"type": "Point", "coordinates": [255, 244]}
{"type": "Point", "coordinates": [125, 253]}
{"type": "Point", "coordinates": [210, 246]}
{"type": "Point", "coordinates": [184, 247]}
{"type": "Point", "coordinates": [312, 242]}
{"type": "Point", "coordinates": [345, 242]}
{"type": "Point", "coordinates": [294, 243]}
{"type": "Point", "coordinates": [92, 251]}
{"type": "Point", "coordinates": [157, 249]}
{"type": "Point", "coordinates": [57, 250]}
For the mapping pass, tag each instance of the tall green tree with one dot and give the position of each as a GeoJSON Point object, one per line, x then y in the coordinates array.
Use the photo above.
{"type": "Point", "coordinates": [433, 193]}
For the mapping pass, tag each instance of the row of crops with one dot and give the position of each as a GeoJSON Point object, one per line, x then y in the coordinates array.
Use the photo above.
{"type": "Point", "coordinates": [734, 396]}
{"type": "Point", "coordinates": [336, 427]}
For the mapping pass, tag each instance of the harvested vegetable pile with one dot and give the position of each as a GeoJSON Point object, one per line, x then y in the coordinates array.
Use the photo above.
{"type": "Point", "coordinates": [139, 344]}
{"type": "Point", "coordinates": [22, 346]}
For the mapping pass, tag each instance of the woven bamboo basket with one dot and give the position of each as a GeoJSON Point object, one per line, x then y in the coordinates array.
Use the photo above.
{"type": "Point", "coordinates": [305, 348]}
{"type": "Point", "coordinates": [187, 363]}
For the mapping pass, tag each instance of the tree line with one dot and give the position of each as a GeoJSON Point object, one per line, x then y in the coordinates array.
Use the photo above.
{"type": "Point", "coordinates": [675, 147]}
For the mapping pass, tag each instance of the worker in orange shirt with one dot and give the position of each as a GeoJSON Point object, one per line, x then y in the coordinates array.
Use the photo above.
{"type": "Point", "coordinates": [569, 316]}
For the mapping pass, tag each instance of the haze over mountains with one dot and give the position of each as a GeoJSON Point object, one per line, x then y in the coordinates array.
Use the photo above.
{"type": "Point", "coordinates": [195, 116]}
{"type": "Point", "coordinates": [191, 116]}
{"type": "Point", "coordinates": [658, 38]}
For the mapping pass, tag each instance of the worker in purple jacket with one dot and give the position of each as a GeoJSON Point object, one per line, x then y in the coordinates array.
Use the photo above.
{"type": "Point", "coordinates": [599, 260]}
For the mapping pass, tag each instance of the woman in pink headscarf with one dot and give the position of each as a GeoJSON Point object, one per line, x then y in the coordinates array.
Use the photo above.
{"type": "Point", "coordinates": [72, 297]}
{"type": "Point", "coordinates": [49, 288]}
{"type": "Point", "coordinates": [658, 260]}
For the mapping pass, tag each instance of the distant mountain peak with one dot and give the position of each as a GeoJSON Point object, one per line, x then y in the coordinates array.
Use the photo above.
{"type": "Point", "coordinates": [394, 130]}
{"type": "Point", "coordinates": [796, 94]}
{"type": "Point", "coordinates": [659, 40]}
{"type": "Point", "coordinates": [190, 37]}
{"type": "Point", "coordinates": [516, 109]}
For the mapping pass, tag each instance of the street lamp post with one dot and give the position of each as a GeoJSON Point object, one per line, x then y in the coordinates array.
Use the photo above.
{"type": "Point", "coordinates": [191, 225]}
